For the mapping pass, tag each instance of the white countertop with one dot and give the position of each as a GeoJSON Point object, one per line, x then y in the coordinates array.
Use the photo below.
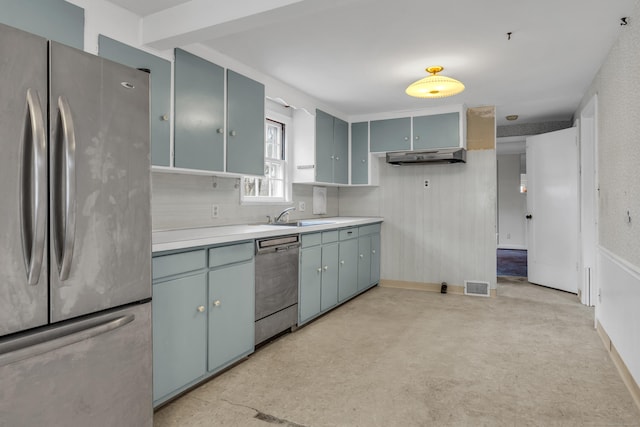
{"type": "Point", "coordinates": [192, 237]}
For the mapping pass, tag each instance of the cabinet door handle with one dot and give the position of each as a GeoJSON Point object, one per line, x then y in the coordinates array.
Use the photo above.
{"type": "Point", "coordinates": [233, 133]}
{"type": "Point", "coordinates": [406, 138]}
{"type": "Point", "coordinates": [342, 262]}
{"type": "Point", "coordinates": [417, 138]}
{"type": "Point", "coordinates": [361, 255]}
{"type": "Point", "coordinates": [201, 308]}
{"type": "Point", "coordinates": [337, 158]}
{"type": "Point", "coordinates": [216, 303]}
{"type": "Point", "coordinates": [326, 267]}
{"type": "Point", "coordinates": [332, 158]}
{"type": "Point", "coordinates": [363, 161]}
{"type": "Point", "coordinates": [220, 130]}
{"type": "Point", "coordinates": [319, 269]}
{"type": "Point", "coordinates": [373, 251]}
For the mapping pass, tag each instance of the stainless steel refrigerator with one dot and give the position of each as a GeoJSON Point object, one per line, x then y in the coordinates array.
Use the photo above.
{"type": "Point", "coordinates": [75, 238]}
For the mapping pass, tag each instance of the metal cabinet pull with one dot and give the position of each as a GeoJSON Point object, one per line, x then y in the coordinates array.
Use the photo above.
{"type": "Point", "coordinates": [233, 133]}
{"type": "Point", "coordinates": [373, 251]}
{"type": "Point", "coordinates": [219, 130]}
{"type": "Point", "coordinates": [33, 197]}
{"type": "Point", "coordinates": [216, 303]}
{"type": "Point", "coordinates": [65, 234]}
{"type": "Point", "coordinates": [342, 262]}
{"type": "Point", "coordinates": [326, 267]}
{"type": "Point", "coordinates": [319, 269]}
{"type": "Point", "coordinates": [361, 255]}
{"type": "Point", "coordinates": [201, 308]}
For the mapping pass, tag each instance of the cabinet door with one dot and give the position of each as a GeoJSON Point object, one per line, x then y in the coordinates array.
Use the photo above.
{"type": "Point", "coordinates": [364, 262]}
{"type": "Point", "coordinates": [246, 125]}
{"type": "Point", "coordinates": [437, 131]}
{"type": "Point", "coordinates": [391, 135]}
{"type": "Point", "coordinates": [329, 293]}
{"type": "Point", "coordinates": [375, 258]}
{"type": "Point", "coordinates": [199, 113]}
{"type": "Point", "coordinates": [179, 333]}
{"type": "Point", "coordinates": [360, 153]}
{"type": "Point", "coordinates": [324, 147]}
{"type": "Point", "coordinates": [231, 314]}
{"type": "Point", "coordinates": [340, 151]}
{"type": "Point", "coordinates": [57, 20]}
{"type": "Point", "coordinates": [348, 277]}
{"type": "Point", "coordinates": [160, 87]}
{"type": "Point", "coordinates": [310, 282]}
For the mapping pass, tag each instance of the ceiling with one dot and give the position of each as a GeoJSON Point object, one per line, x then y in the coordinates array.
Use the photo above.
{"type": "Point", "coordinates": [358, 56]}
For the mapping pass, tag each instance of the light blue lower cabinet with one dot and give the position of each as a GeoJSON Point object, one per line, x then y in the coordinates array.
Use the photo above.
{"type": "Point", "coordinates": [329, 287]}
{"type": "Point", "coordinates": [309, 283]}
{"type": "Point", "coordinates": [348, 269]}
{"type": "Point", "coordinates": [231, 314]}
{"type": "Point", "coordinates": [203, 314]}
{"type": "Point", "coordinates": [179, 333]}
{"type": "Point", "coordinates": [364, 262]}
{"type": "Point", "coordinates": [375, 259]}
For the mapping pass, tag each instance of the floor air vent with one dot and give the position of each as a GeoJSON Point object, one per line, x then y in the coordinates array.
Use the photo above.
{"type": "Point", "coordinates": [479, 289]}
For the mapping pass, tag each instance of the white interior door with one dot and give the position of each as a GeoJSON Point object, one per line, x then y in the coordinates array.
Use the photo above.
{"type": "Point", "coordinates": [552, 205]}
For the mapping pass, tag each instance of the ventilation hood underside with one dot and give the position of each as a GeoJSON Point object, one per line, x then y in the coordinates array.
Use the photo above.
{"type": "Point", "coordinates": [444, 155]}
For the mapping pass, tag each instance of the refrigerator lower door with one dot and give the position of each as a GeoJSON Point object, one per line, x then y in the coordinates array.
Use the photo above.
{"type": "Point", "coordinates": [100, 229]}
{"type": "Point", "coordinates": [92, 372]}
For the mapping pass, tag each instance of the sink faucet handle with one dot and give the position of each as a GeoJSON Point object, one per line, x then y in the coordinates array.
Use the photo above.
{"type": "Point", "coordinates": [269, 219]}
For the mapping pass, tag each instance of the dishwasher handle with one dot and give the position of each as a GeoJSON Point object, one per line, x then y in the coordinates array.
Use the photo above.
{"type": "Point", "coordinates": [275, 249]}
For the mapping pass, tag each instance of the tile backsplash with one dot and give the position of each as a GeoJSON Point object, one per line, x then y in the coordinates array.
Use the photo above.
{"type": "Point", "coordinates": [185, 201]}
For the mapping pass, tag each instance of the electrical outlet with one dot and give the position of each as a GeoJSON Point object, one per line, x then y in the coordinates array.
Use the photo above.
{"type": "Point", "coordinates": [301, 207]}
{"type": "Point", "coordinates": [427, 184]}
{"type": "Point", "coordinates": [215, 211]}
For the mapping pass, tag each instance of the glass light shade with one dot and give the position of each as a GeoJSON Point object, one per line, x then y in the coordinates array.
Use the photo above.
{"type": "Point", "coordinates": [435, 86]}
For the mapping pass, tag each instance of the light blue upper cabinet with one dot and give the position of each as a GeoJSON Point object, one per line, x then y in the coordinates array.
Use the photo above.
{"type": "Point", "coordinates": [341, 151]}
{"type": "Point", "coordinates": [332, 149]}
{"type": "Point", "coordinates": [160, 87]}
{"type": "Point", "coordinates": [360, 153]}
{"type": "Point", "coordinates": [199, 113]}
{"type": "Point", "coordinates": [324, 147]}
{"type": "Point", "coordinates": [245, 130]}
{"type": "Point", "coordinates": [391, 135]}
{"type": "Point", "coordinates": [436, 131]}
{"type": "Point", "coordinates": [52, 19]}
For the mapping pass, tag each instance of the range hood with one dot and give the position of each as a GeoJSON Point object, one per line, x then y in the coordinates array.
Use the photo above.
{"type": "Point", "coordinates": [444, 155]}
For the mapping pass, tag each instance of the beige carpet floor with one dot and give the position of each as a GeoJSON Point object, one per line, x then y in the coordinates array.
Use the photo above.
{"type": "Point", "coordinates": [394, 357]}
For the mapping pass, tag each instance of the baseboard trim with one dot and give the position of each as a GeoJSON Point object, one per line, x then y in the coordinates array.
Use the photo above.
{"type": "Point", "coordinates": [626, 376]}
{"type": "Point", "coordinates": [427, 287]}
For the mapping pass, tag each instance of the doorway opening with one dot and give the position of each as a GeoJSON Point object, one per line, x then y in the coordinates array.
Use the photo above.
{"type": "Point", "coordinates": [512, 262]}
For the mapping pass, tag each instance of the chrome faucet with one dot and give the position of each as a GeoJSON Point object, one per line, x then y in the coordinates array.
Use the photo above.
{"type": "Point", "coordinates": [284, 212]}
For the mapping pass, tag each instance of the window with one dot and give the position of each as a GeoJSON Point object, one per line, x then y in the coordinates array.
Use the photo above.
{"type": "Point", "coordinates": [271, 187]}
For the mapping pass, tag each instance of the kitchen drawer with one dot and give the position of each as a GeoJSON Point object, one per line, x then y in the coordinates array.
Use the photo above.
{"type": "Point", "coordinates": [230, 254]}
{"type": "Point", "coordinates": [313, 239]}
{"type": "Point", "coordinates": [348, 233]}
{"type": "Point", "coordinates": [182, 262]}
{"type": "Point", "coordinates": [330, 236]}
{"type": "Point", "coordinates": [369, 229]}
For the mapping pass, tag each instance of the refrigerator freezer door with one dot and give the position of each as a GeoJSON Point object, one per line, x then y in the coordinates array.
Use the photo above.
{"type": "Point", "coordinates": [23, 170]}
{"type": "Point", "coordinates": [102, 378]}
{"type": "Point", "coordinates": [100, 229]}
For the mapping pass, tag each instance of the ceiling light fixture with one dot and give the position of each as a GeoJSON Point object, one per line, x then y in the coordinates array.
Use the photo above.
{"type": "Point", "coordinates": [435, 86]}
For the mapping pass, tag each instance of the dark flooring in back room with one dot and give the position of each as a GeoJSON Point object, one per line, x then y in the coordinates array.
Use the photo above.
{"type": "Point", "coordinates": [512, 262]}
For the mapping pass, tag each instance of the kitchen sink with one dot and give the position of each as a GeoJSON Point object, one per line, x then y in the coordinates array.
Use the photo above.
{"type": "Point", "coordinates": [303, 223]}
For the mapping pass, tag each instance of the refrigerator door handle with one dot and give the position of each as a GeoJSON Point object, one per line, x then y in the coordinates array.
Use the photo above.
{"type": "Point", "coordinates": [65, 234]}
{"type": "Point", "coordinates": [46, 341]}
{"type": "Point", "coordinates": [33, 194]}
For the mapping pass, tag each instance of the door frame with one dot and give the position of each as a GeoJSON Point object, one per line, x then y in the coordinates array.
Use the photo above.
{"type": "Point", "coordinates": [588, 127]}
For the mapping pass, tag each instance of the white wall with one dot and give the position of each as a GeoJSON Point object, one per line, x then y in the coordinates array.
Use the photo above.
{"type": "Point", "coordinates": [442, 233]}
{"type": "Point", "coordinates": [512, 204]}
{"type": "Point", "coordinates": [618, 89]}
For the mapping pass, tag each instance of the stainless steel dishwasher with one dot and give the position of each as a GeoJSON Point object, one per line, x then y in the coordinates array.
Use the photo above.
{"type": "Point", "coordinates": [276, 285]}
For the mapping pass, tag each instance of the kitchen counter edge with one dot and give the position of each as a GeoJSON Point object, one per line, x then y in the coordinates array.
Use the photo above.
{"type": "Point", "coordinates": [171, 240]}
